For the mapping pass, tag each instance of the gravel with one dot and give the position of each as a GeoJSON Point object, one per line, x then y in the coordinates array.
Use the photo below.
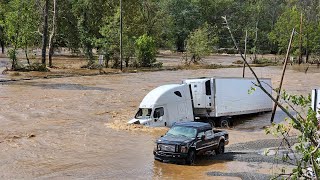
{"type": "Point", "coordinates": [250, 152]}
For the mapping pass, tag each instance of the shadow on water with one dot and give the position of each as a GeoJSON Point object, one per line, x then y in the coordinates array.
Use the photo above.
{"type": "Point", "coordinates": [66, 86]}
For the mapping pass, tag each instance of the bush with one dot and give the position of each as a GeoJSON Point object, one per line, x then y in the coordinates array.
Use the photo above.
{"type": "Point", "coordinates": [145, 51]}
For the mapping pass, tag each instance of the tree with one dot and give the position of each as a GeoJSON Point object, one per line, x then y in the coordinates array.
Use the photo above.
{"type": "Point", "coordinates": [89, 15]}
{"type": "Point", "coordinates": [53, 32]}
{"type": "Point", "coordinates": [288, 20]}
{"type": "Point", "coordinates": [145, 51]}
{"type": "Point", "coordinates": [44, 32]}
{"type": "Point", "coordinates": [21, 22]}
{"type": "Point", "coordinates": [200, 43]}
{"type": "Point", "coordinates": [185, 17]}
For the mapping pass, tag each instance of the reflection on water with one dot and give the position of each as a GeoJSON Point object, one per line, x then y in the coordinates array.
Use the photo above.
{"type": "Point", "coordinates": [67, 118]}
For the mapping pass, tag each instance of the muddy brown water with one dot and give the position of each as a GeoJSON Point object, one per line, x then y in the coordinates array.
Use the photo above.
{"type": "Point", "coordinates": [73, 128]}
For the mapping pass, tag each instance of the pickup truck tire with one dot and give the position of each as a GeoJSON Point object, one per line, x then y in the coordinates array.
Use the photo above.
{"type": "Point", "coordinates": [220, 149]}
{"type": "Point", "coordinates": [191, 157]}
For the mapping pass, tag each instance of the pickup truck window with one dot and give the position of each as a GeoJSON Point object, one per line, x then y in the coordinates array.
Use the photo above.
{"type": "Point", "coordinates": [209, 133]}
{"type": "Point", "coordinates": [183, 131]}
{"type": "Point", "coordinates": [143, 113]}
{"type": "Point", "coordinates": [158, 112]}
{"type": "Point", "coordinates": [200, 134]}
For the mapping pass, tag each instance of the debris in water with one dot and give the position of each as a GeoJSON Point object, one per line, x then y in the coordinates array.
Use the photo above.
{"type": "Point", "coordinates": [31, 135]}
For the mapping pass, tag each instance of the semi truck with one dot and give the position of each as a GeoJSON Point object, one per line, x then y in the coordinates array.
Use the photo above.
{"type": "Point", "coordinates": [213, 100]}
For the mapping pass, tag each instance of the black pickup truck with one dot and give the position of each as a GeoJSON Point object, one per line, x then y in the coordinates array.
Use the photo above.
{"type": "Point", "coordinates": [185, 140]}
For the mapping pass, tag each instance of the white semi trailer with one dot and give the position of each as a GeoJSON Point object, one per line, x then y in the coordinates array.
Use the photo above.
{"type": "Point", "coordinates": [212, 100]}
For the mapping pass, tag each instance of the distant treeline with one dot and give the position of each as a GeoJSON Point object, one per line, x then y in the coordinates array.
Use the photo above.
{"type": "Point", "coordinates": [84, 25]}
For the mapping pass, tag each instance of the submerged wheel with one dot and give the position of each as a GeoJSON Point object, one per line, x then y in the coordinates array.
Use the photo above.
{"type": "Point", "coordinates": [220, 149]}
{"type": "Point", "coordinates": [224, 123]}
{"type": "Point", "coordinates": [212, 123]}
{"type": "Point", "coordinates": [191, 157]}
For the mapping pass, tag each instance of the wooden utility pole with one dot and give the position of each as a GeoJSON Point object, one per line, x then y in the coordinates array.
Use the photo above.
{"type": "Point", "coordinates": [300, 43]}
{"type": "Point", "coordinates": [283, 72]}
{"type": "Point", "coordinates": [245, 53]}
{"type": "Point", "coordinates": [121, 35]}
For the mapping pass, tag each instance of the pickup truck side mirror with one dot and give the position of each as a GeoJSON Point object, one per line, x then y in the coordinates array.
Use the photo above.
{"type": "Point", "coordinates": [203, 137]}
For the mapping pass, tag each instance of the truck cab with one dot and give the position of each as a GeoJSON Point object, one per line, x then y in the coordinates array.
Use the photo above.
{"type": "Point", "coordinates": [164, 106]}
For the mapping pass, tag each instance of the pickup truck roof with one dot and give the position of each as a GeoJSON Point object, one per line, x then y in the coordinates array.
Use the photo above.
{"type": "Point", "coordinates": [198, 125]}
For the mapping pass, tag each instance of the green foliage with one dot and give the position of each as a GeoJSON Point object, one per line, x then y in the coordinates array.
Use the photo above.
{"type": "Point", "coordinates": [145, 51]}
{"type": "Point", "coordinates": [21, 23]}
{"type": "Point", "coordinates": [281, 33]}
{"type": "Point", "coordinates": [200, 43]}
{"type": "Point", "coordinates": [306, 151]}
{"type": "Point", "coordinates": [85, 25]}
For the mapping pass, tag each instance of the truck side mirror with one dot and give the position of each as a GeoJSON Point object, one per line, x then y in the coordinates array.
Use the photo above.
{"type": "Point", "coordinates": [203, 137]}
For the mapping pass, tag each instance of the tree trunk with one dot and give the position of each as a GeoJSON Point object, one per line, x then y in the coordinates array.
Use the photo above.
{"type": "Point", "coordinates": [307, 49]}
{"type": "Point", "coordinates": [2, 39]}
{"type": "Point", "coordinates": [300, 43]}
{"type": "Point", "coordinates": [2, 47]}
{"type": "Point", "coordinates": [26, 53]}
{"type": "Point", "coordinates": [255, 43]}
{"type": "Point", "coordinates": [45, 32]}
{"type": "Point", "coordinates": [53, 31]}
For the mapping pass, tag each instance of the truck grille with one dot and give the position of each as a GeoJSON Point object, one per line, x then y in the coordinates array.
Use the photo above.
{"type": "Point", "coordinates": [167, 147]}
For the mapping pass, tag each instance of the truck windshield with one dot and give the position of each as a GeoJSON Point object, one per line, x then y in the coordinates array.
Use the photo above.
{"type": "Point", "coordinates": [182, 131]}
{"type": "Point", "coordinates": [143, 113]}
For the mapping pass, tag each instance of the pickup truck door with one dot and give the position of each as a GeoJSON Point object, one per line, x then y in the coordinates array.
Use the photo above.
{"type": "Point", "coordinates": [216, 138]}
{"type": "Point", "coordinates": [207, 143]}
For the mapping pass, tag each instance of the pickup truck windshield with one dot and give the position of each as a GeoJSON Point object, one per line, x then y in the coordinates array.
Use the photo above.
{"type": "Point", "coordinates": [143, 113]}
{"type": "Point", "coordinates": [183, 131]}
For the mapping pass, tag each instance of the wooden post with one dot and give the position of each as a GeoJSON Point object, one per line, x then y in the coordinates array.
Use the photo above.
{"type": "Point", "coordinates": [283, 72]}
{"type": "Point", "coordinates": [300, 43]}
{"type": "Point", "coordinates": [245, 53]}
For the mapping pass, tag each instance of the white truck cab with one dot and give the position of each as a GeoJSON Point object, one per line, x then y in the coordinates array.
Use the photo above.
{"type": "Point", "coordinates": [164, 106]}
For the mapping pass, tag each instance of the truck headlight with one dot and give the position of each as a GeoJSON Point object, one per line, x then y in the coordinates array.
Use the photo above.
{"type": "Point", "coordinates": [184, 149]}
{"type": "Point", "coordinates": [156, 147]}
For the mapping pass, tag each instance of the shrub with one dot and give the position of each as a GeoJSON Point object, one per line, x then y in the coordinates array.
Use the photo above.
{"type": "Point", "coordinates": [145, 51]}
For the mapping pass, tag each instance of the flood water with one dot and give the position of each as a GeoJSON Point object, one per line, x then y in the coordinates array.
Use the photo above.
{"type": "Point", "coordinates": [76, 128]}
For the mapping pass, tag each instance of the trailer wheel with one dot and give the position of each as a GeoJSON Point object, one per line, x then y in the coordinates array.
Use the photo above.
{"type": "Point", "coordinates": [224, 123]}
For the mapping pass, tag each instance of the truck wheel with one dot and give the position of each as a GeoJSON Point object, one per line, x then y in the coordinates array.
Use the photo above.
{"type": "Point", "coordinates": [220, 149]}
{"type": "Point", "coordinates": [191, 157]}
{"type": "Point", "coordinates": [212, 124]}
{"type": "Point", "coordinates": [224, 123]}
